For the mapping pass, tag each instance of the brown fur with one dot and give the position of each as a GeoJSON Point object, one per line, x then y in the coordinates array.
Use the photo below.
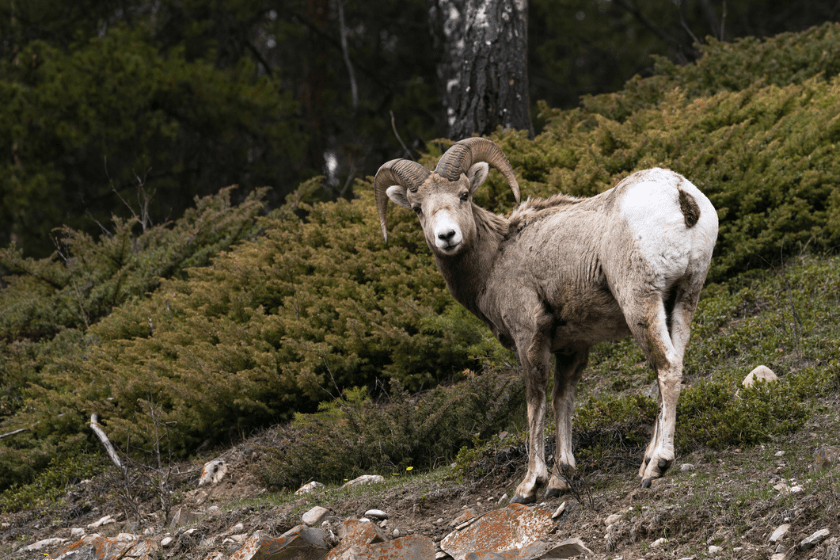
{"type": "Point", "coordinates": [689, 208]}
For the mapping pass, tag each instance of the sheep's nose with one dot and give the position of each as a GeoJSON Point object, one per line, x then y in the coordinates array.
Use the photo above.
{"type": "Point", "coordinates": [446, 235]}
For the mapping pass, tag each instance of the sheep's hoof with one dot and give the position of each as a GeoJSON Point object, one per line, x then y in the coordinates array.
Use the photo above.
{"type": "Point", "coordinates": [552, 493]}
{"type": "Point", "coordinates": [647, 482]}
{"type": "Point", "coordinates": [523, 499]}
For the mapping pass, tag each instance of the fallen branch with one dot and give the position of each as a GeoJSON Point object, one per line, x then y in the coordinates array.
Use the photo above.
{"type": "Point", "coordinates": [13, 433]}
{"type": "Point", "coordinates": [106, 443]}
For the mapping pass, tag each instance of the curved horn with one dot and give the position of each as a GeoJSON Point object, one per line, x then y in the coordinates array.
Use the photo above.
{"type": "Point", "coordinates": [403, 172]}
{"type": "Point", "coordinates": [461, 156]}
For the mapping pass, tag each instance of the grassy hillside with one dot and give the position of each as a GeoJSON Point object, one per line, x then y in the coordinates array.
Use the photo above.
{"type": "Point", "coordinates": [222, 323]}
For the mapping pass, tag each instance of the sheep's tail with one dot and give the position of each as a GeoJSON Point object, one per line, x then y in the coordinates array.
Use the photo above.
{"type": "Point", "coordinates": [690, 209]}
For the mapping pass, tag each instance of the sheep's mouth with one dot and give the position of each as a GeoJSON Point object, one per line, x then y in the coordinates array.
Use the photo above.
{"type": "Point", "coordinates": [450, 248]}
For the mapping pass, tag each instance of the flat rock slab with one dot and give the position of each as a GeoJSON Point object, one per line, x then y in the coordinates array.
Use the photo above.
{"type": "Point", "coordinates": [356, 533]}
{"type": "Point", "coordinates": [814, 539]}
{"type": "Point", "coordinates": [512, 528]}
{"type": "Point", "coordinates": [365, 479]}
{"type": "Point", "coordinates": [412, 547]}
{"type": "Point", "coordinates": [94, 547]}
{"type": "Point", "coordinates": [300, 543]}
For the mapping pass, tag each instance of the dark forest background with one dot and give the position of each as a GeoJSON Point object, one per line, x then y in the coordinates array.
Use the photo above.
{"type": "Point", "coordinates": [113, 107]}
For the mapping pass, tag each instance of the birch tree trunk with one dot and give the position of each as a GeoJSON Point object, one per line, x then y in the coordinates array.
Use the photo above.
{"type": "Point", "coordinates": [484, 65]}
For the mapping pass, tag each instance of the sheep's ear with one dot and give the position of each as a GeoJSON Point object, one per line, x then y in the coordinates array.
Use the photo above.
{"type": "Point", "coordinates": [477, 174]}
{"type": "Point", "coordinates": [397, 195]}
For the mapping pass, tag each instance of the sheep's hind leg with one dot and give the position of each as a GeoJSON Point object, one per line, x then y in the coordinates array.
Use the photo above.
{"type": "Point", "coordinates": [567, 373]}
{"type": "Point", "coordinates": [535, 364]}
{"type": "Point", "coordinates": [650, 330]}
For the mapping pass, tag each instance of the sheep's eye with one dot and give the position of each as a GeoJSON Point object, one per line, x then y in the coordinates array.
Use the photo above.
{"type": "Point", "coordinates": [464, 196]}
{"type": "Point", "coordinates": [417, 210]}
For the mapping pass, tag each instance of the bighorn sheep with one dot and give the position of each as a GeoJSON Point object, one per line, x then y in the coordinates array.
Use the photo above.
{"type": "Point", "coordinates": [562, 274]}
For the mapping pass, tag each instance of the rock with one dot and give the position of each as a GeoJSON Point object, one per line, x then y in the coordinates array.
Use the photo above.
{"type": "Point", "coordinates": [77, 532]}
{"type": "Point", "coordinates": [780, 453]}
{"type": "Point", "coordinates": [215, 556]}
{"type": "Point", "coordinates": [376, 514]}
{"type": "Point", "coordinates": [779, 533]}
{"type": "Point", "coordinates": [412, 547]}
{"type": "Point", "coordinates": [814, 539]}
{"type": "Point", "coordinates": [166, 541]}
{"type": "Point", "coordinates": [466, 515]}
{"type": "Point", "coordinates": [212, 472]}
{"type": "Point", "coordinates": [46, 543]}
{"type": "Point", "coordinates": [612, 519]}
{"type": "Point", "coordinates": [144, 549]}
{"type": "Point", "coordinates": [651, 391]}
{"type": "Point", "coordinates": [559, 511]}
{"type": "Point", "coordinates": [314, 516]}
{"type": "Point", "coordinates": [715, 550]}
{"type": "Point", "coordinates": [107, 520]}
{"type": "Point", "coordinates": [365, 479]}
{"type": "Point", "coordinates": [659, 542]}
{"type": "Point", "coordinates": [94, 547]}
{"type": "Point", "coordinates": [309, 487]}
{"type": "Point", "coordinates": [299, 543]}
{"type": "Point", "coordinates": [396, 533]}
{"type": "Point", "coordinates": [238, 528]}
{"type": "Point", "coordinates": [778, 556]}
{"type": "Point", "coordinates": [356, 533]}
{"type": "Point", "coordinates": [685, 467]}
{"type": "Point", "coordinates": [761, 373]}
{"type": "Point", "coordinates": [513, 527]}
{"type": "Point", "coordinates": [504, 498]}
{"type": "Point", "coordinates": [545, 550]}
{"type": "Point", "coordinates": [826, 457]}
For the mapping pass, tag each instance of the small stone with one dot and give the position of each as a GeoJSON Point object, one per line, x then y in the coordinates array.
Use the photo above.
{"type": "Point", "coordinates": [77, 532]}
{"type": "Point", "coordinates": [107, 520]}
{"type": "Point", "coordinates": [612, 519]}
{"type": "Point", "coordinates": [213, 472]}
{"type": "Point", "coordinates": [779, 533]}
{"type": "Point", "coordinates": [659, 542]}
{"type": "Point", "coordinates": [685, 467]}
{"type": "Point", "coordinates": [780, 453]}
{"type": "Point", "coordinates": [559, 511]}
{"type": "Point", "coordinates": [503, 499]}
{"type": "Point", "coordinates": [761, 373]}
{"type": "Point", "coordinates": [384, 523]}
{"type": "Point", "coordinates": [314, 515]}
{"type": "Point", "coordinates": [237, 528]}
{"type": "Point", "coordinates": [309, 487]}
{"type": "Point", "coordinates": [778, 556]}
{"type": "Point", "coordinates": [396, 533]}
{"type": "Point", "coordinates": [441, 554]}
{"type": "Point", "coordinates": [376, 514]}
{"type": "Point", "coordinates": [796, 489]}
{"type": "Point", "coordinates": [46, 543]}
{"type": "Point", "coordinates": [814, 539]}
{"type": "Point", "coordinates": [166, 541]}
{"type": "Point", "coordinates": [213, 509]}
{"type": "Point", "coordinates": [439, 521]}
{"type": "Point", "coordinates": [365, 479]}
{"type": "Point", "coordinates": [713, 550]}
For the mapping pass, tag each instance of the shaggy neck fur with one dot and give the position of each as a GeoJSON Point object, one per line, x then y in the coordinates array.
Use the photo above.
{"type": "Point", "coordinates": [475, 261]}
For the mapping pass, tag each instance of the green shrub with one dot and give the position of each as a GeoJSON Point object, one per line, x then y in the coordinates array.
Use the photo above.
{"type": "Point", "coordinates": [317, 303]}
{"type": "Point", "coordinates": [353, 436]}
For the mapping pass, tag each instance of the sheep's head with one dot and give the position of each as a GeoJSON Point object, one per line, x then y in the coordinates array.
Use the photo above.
{"type": "Point", "coordinates": [442, 199]}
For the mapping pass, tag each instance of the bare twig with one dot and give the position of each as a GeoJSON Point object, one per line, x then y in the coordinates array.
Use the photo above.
{"type": "Point", "coordinates": [397, 134]}
{"type": "Point", "coordinates": [106, 443]}
{"type": "Point", "coordinates": [9, 434]}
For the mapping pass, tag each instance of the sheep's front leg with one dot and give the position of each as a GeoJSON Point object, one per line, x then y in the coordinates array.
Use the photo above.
{"type": "Point", "coordinates": [567, 373]}
{"type": "Point", "coordinates": [535, 363]}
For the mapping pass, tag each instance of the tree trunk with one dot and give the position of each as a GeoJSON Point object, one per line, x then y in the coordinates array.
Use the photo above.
{"type": "Point", "coordinates": [483, 72]}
